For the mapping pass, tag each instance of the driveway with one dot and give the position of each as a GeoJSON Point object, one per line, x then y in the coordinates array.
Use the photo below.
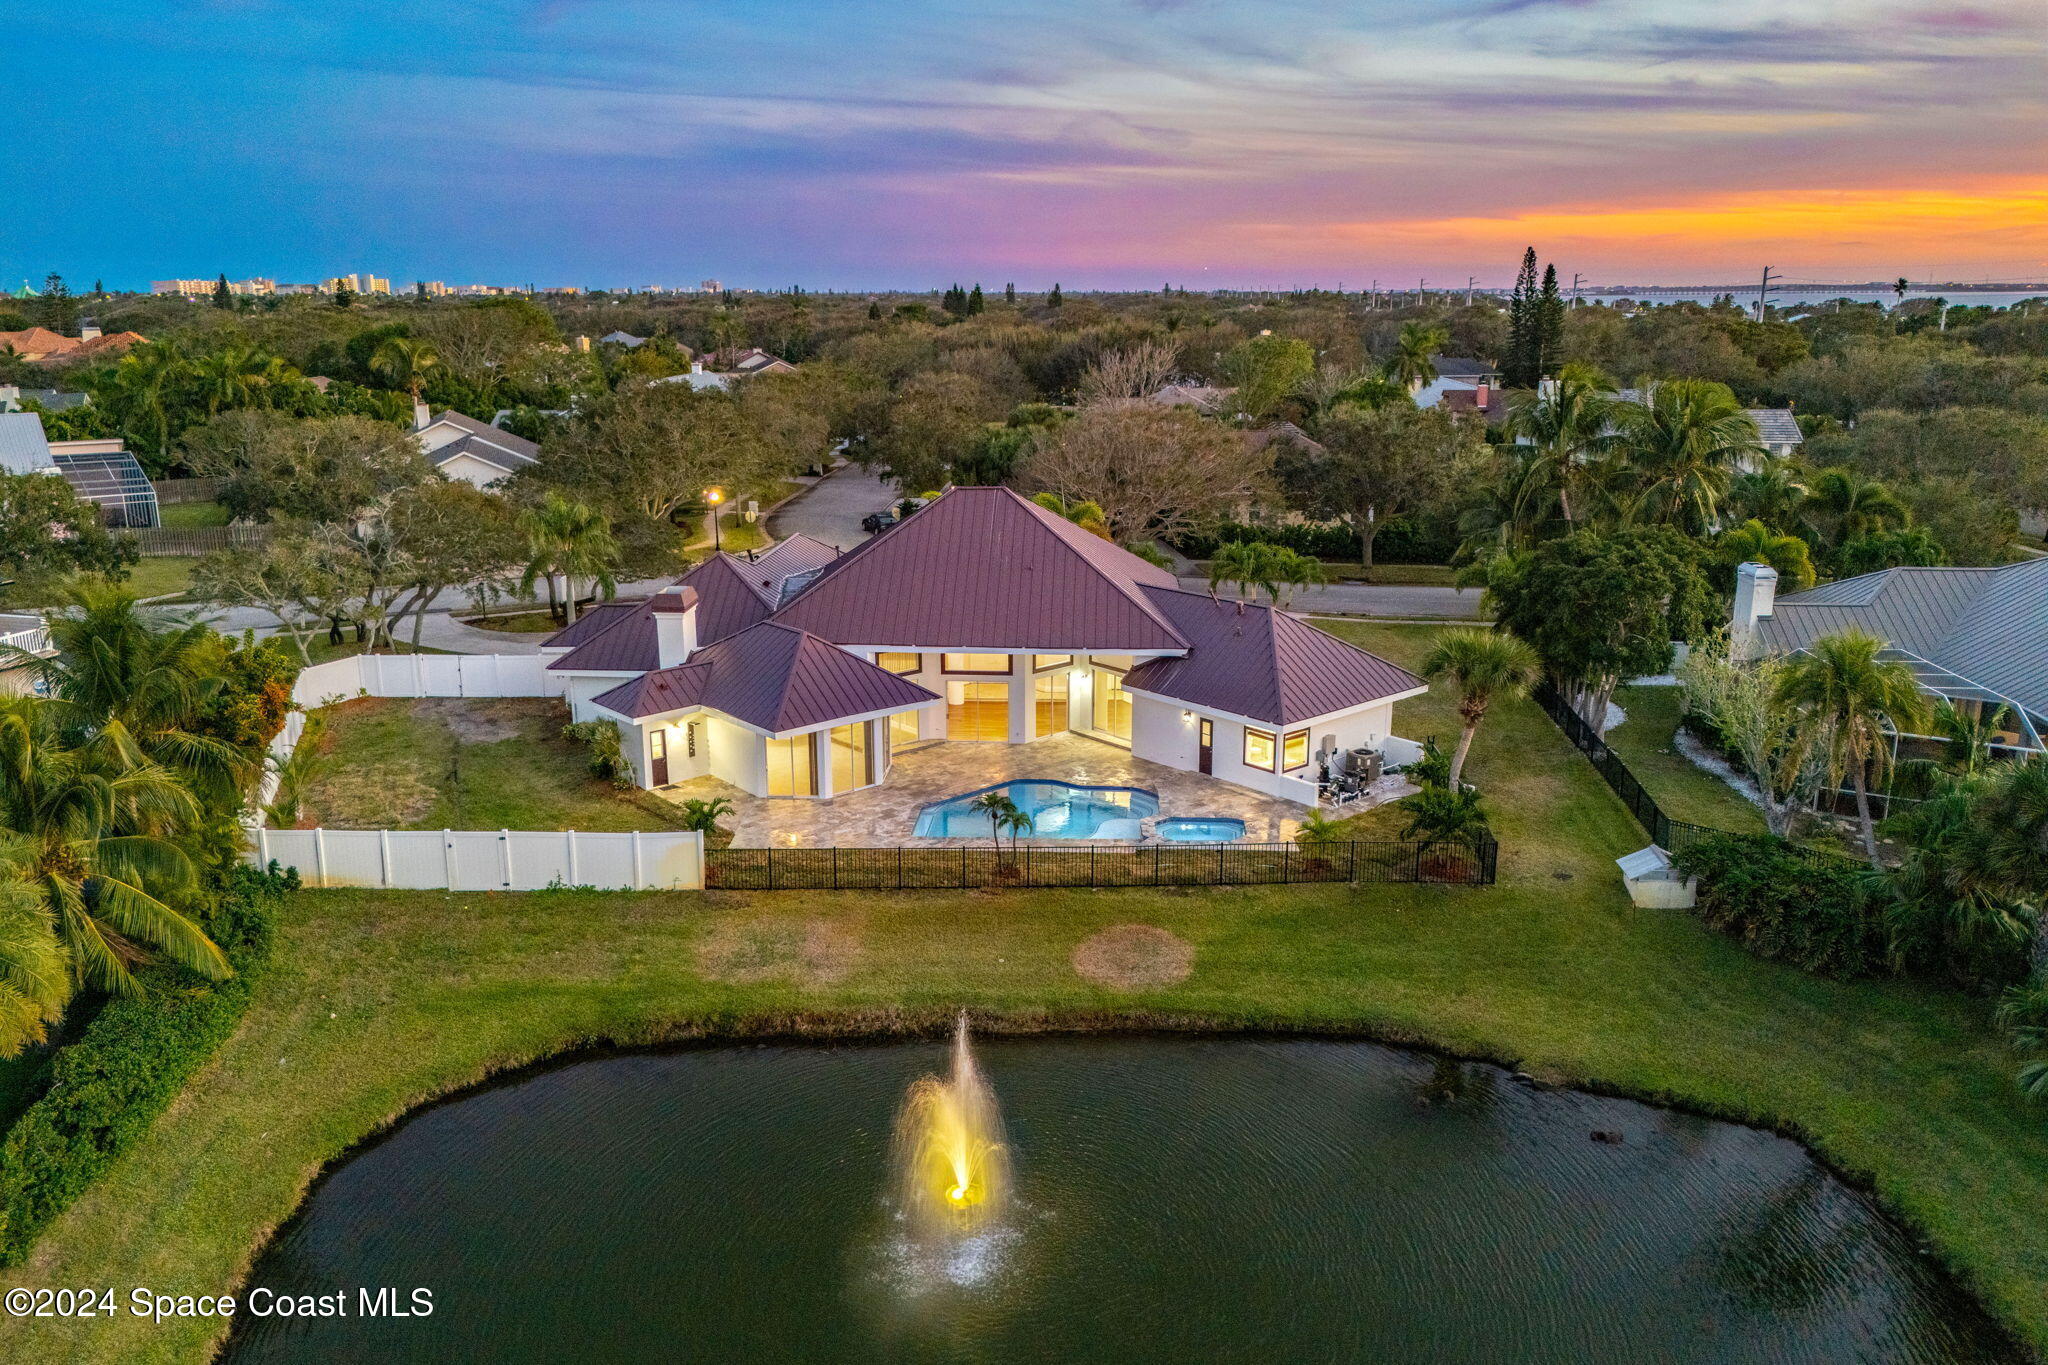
{"type": "Point", "coordinates": [832, 508]}
{"type": "Point", "coordinates": [1372, 599]}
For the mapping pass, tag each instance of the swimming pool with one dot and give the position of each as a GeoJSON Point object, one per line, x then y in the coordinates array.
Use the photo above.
{"type": "Point", "coordinates": [1200, 829]}
{"type": "Point", "coordinates": [1058, 810]}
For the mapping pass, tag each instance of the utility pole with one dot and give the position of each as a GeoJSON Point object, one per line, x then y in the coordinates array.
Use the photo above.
{"type": "Point", "coordinates": [1763, 294]}
{"type": "Point", "coordinates": [1577, 280]}
{"type": "Point", "coordinates": [1421, 293]}
{"type": "Point", "coordinates": [1375, 293]}
{"type": "Point", "coordinates": [1470, 280]}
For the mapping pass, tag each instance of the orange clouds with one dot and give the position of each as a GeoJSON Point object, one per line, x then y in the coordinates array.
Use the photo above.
{"type": "Point", "coordinates": [2002, 224]}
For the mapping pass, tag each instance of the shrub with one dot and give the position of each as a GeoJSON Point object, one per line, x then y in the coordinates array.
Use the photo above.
{"type": "Point", "coordinates": [129, 1064]}
{"type": "Point", "coordinates": [1401, 540]}
{"type": "Point", "coordinates": [607, 754]}
{"type": "Point", "coordinates": [1811, 912]}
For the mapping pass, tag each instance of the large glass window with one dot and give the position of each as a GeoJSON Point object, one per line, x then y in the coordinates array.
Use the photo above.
{"type": "Point", "coordinates": [853, 762]}
{"type": "Point", "coordinates": [1112, 711]}
{"type": "Point", "coordinates": [1041, 662]}
{"type": "Point", "coordinates": [1049, 692]}
{"type": "Point", "coordinates": [1258, 748]}
{"type": "Point", "coordinates": [976, 663]}
{"type": "Point", "coordinates": [902, 731]}
{"type": "Point", "coordinates": [978, 711]}
{"type": "Point", "coordinates": [899, 661]}
{"type": "Point", "coordinates": [1294, 750]}
{"type": "Point", "coordinates": [792, 769]}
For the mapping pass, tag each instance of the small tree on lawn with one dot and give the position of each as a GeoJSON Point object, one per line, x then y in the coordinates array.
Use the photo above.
{"type": "Point", "coordinates": [1847, 700]}
{"type": "Point", "coordinates": [1483, 666]}
{"type": "Point", "coordinates": [1741, 702]}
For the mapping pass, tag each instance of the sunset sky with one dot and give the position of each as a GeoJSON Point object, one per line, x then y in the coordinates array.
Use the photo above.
{"type": "Point", "coordinates": [1098, 142]}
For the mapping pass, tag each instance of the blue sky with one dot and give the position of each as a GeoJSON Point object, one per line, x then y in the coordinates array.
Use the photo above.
{"type": "Point", "coordinates": [1099, 142]}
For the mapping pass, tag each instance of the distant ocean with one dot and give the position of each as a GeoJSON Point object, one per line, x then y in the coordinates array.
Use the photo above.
{"type": "Point", "coordinates": [1790, 295]}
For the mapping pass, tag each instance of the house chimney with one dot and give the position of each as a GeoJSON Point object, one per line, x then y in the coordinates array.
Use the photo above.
{"type": "Point", "coordinates": [1479, 396]}
{"type": "Point", "coordinates": [583, 344]}
{"type": "Point", "coordinates": [422, 416]}
{"type": "Point", "coordinates": [88, 331]}
{"type": "Point", "coordinates": [675, 625]}
{"type": "Point", "coordinates": [696, 367]}
{"type": "Point", "coordinates": [1756, 593]}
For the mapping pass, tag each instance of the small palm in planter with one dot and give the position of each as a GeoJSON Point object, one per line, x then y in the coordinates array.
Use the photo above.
{"type": "Point", "coordinates": [703, 816]}
{"type": "Point", "coordinates": [1003, 815]}
{"type": "Point", "coordinates": [1317, 830]}
{"type": "Point", "coordinates": [1441, 815]}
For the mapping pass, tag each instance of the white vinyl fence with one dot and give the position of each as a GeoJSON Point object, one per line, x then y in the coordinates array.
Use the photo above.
{"type": "Point", "coordinates": [427, 675]}
{"type": "Point", "coordinates": [461, 859]}
{"type": "Point", "coordinates": [486, 860]}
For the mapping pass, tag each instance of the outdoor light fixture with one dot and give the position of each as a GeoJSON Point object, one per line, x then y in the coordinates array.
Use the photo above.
{"type": "Point", "coordinates": [715, 496]}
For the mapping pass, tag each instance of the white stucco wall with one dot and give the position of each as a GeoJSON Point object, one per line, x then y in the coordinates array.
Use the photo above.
{"type": "Point", "coordinates": [1161, 734]}
{"type": "Point", "coordinates": [470, 470]}
{"type": "Point", "coordinates": [737, 755]}
{"type": "Point", "coordinates": [581, 687]}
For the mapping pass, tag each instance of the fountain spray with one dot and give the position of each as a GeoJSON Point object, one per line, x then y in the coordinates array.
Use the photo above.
{"type": "Point", "coordinates": [952, 1164]}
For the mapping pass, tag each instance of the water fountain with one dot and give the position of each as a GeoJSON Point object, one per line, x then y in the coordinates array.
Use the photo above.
{"type": "Point", "coordinates": [952, 1164]}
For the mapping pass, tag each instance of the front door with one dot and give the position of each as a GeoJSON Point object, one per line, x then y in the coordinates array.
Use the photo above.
{"type": "Point", "coordinates": [1204, 755]}
{"type": "Point", "coordinates": [657, 758]}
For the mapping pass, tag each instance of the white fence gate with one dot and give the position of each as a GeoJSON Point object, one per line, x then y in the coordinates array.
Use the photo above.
{"type": "Point", "coordinates": [487, 860]}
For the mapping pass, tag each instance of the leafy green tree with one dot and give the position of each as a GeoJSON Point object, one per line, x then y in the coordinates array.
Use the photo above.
{"type": "Point", "coordinates": [1267, 370]}
{"type": "Point", "coordinates": [1054, 300]}
{"type": "Point", "coordinates": [1848, 700]}
{"type": "Point", "coordinates": [47, 534]}
{"type": "Point", "coordinates": [1383, 463]}
{"type": "Point", "coordinates": [57, 309]}
{"type": "Point", "coordinates": [1740, 700]}
{"type": "Point", "coordinates": [975, 302]}
{"type": "Point", "coordinates": [1598, 607]}
{"type": "Point", "coordinates": [344, 294]}
{"type": "Point", "coordinates": [932, 421]}
{"type": "Point", "coordinates": [324, 469]}
{"type": "Point", "coordinates": [1155, 471]}
{"type": "Point", "coordinates": [1754, 542]}
{"type": "Point", "coordinates": [1010, 293]}
{"type": "Point", "coordinates": [1482, 666]}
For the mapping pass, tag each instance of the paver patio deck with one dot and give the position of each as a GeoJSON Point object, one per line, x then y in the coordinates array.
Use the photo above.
{"type": "Point", "coordinates": [884, 815]}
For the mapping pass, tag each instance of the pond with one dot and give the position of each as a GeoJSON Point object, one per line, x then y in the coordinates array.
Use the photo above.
{"type": "Point", "coordinates": [1175, 1199]}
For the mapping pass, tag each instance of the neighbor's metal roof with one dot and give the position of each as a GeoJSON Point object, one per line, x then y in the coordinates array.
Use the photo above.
{"type": "Point", "coordinates": [23, 448]}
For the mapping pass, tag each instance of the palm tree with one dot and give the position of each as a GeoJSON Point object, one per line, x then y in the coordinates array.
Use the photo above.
{"type": "Point", "coordinates": [404, 361]}
{"type": "Point", "coordinates": [999, 809]}
{"type": "Point", "coordinates": [1444, 813]}
{"type": "Point", "coordinates": [34, 982]}
{"type": "Point", "coordinates": [1681, 445]}
{"type": "Point", "coordinates": [1842, 505]}
{"type": "Point", "coordinates": [1484, 666]}
{"type": "Point", "coordinates": [1755, 543]}
{"type": "Point", "coordinates": [1850, 699]}
{"type": "Point", "coordinates": [1565, 427]}
{"type": "Point", "coordinates": [2004, 850]}
{"type": "Point", "coordinates": [235, 376]}
{"type": "Point", "coordinates": [570, 539]}
{"type": "Point", "coordinates": [141, 683]}
{"type": "Point", "coordinates": [1771, 495]}
{"type": "Point", "coordinates": [1414, 360]}
{"type": "Point", "coordinates": [91, 833]}
{"type": "Point", "coordinates": [1256, 564]}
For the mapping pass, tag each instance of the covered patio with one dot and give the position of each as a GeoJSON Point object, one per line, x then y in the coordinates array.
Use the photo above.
{"type": "Point", "coordinates": [883, 816]}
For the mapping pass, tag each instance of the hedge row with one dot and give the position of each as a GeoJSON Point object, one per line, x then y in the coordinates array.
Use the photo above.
{"type": "Point", "coordinates": [127, 1066]}
{"type": "Point", "coordinates": [1814, 914]}
{"type": "Point", "coordinates": [1401, 540]}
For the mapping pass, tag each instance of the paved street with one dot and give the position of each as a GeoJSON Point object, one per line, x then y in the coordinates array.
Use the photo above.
{"type": "Point", "coordinates": [1371, 599]}
{"type": "Point", "coordinates": [831, 509]}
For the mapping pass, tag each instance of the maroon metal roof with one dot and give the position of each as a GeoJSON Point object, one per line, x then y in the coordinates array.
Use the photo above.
{"type": "Point", "coordinates": [983, 568]}
{"type": "Point", "coordinates": [770, 676]}
{"type": "Point", "coordinates": [727, 603]}
{"type": "Point", "coordinates": [1251, 660]}
{"type": "Point", "coordinates": [628, 644]}
{"type": "Point", "coordinates": [594, 622]}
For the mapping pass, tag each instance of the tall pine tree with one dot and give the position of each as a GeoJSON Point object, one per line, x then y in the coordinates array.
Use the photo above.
{"type": "Point", "coordinates": [874, 310]}
{"type": "Point", "coordinates": [1053, 299]}
{"type": "Point", "coordinates": [1549, 325]}
{"type": "Point", "coordinates": [1522, 366]}
{"type": "Point", "coordinates": [223, 297]}
{"type": "Point", "coordinates": [975, 302]}
{"type": "Point", "coordinates": [1010, 293]}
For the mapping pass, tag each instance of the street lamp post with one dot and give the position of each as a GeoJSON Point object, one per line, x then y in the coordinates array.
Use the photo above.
{"type": "Point", "coordinates": [715, 496]}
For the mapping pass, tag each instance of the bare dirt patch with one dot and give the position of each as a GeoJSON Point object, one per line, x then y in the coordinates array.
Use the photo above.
{"type": "Point", "coordinates": [478, 722]}
{"type": "Point", "coordinates": [388, 795]}
{"type": "Point", "coordinates": [1130, 957]}
{"type": "Point", "coordinates": [803, 952]}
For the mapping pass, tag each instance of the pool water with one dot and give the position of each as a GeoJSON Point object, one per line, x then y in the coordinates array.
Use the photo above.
{"type": "Point", "coordinates": [1058, 810]}
{"type": "Point", "coordinates": [1205, 829]}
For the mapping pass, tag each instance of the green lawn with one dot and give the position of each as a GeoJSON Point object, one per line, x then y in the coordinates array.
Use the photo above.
{"type": "Point", "coordinates": [446, 764]}
{"type": "Point", "coordinates": [1347, 570]}
{"type": "Point", "coordinates": [192, 516]}
{"type": "Point", "coordinates": [517, 622]}
{"type": "Point", "coordinates": [1681, 787]}
{"type": "Point", "coordinates": [381, 1000]}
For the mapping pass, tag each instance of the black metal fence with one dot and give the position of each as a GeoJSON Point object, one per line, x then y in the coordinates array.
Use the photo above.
{"type": "Point", "coordinates": [1672, 835]}
{"type": "Point", "coordinates": [1441, 862]}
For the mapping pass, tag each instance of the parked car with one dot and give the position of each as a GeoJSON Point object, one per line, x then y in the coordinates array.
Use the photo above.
{"type": "Point", "coordinates": [874, 523]}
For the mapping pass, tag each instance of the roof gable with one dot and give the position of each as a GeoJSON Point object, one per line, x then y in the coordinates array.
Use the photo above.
{"type": "Point", "coordinates": [772, 677]}
{"type": "Point", "coordinates": [983, 568]}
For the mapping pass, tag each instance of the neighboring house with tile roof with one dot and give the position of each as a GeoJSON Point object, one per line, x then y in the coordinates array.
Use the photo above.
{"type": "Point", "coordinates": [981, 617]}
{"type": "Point", "coordinates": [1978, 637]}
{"type": "Point", "coordinates": [475, 452]}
